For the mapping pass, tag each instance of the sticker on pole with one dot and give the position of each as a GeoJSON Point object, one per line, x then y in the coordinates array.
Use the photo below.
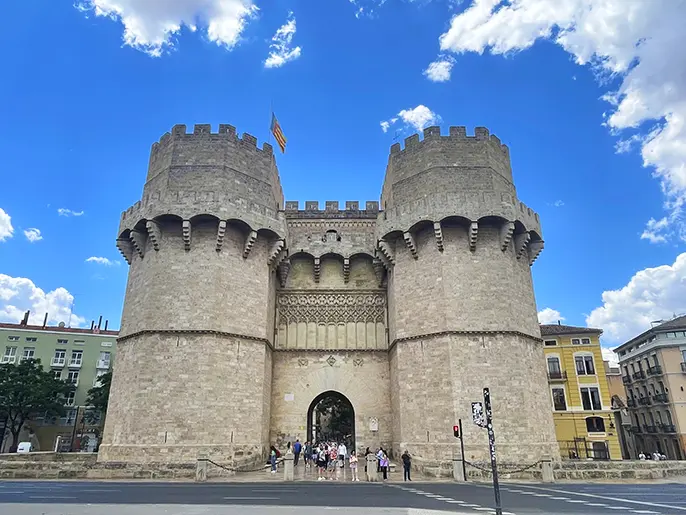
{"type": "Point", "coordinates": [478, 415]}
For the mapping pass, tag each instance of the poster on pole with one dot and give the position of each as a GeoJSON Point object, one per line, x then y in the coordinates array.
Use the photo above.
{"type": "Point", "coordinates": [478, 415]}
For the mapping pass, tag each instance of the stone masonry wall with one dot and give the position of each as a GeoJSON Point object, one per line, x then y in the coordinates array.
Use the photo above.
{"type": "Point", "coordinates": [363, 377]}
{"type": "Point", "coordinates": [175, 396]}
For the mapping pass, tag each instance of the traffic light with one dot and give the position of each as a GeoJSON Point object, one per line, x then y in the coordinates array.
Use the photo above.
{"type": "Point", "coordinates": [456, 431]}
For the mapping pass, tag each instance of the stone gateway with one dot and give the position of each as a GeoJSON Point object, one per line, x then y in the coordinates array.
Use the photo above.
{"type": "Point", "coordinates": [241, 310]}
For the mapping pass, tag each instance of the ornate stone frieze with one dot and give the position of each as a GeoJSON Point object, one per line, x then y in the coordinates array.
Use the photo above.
{"type": "Point", "coordinates": [331, 307]}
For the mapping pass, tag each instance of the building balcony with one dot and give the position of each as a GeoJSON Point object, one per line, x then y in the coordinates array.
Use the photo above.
{"type": "Point", "coordinates": [644, 401]}
{"type": "Point", "coordinates": [661, 397]}
{"type": "Point", "coordinates": [655, 370]}
{"type": "Point", "coordinates": [557, 375]}
{"type": "Point", "coordinates": [636, 429]}
{"type": "Point", "coordinates": [667, 428]}
{"type": "Point", "coordinates": [57, 363]}
{"type": "Point", "coordinates": [631, 403]}
{"type": "Point", "coordinates": [626, 379]}
{"type": "Point", "coordinates": [104, 365]}
{"type": "Point", "coordinates": [637, 376]}
{"type": "Point", "coordinates": [74, 364]}
{"type": "Point", "coordinates": [651, 429]}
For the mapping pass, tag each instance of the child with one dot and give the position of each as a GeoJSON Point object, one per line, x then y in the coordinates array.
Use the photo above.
{"type": "Point", "coordinates": [353, 465]}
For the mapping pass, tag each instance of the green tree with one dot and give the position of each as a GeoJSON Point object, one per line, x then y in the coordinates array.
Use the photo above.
{"type": "Point", "coordinates": [28, 391]}
{"type": "Point", "coordinates": [97, 399]}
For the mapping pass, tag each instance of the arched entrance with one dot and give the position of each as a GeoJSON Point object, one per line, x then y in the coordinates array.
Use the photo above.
{"type": "Point", "coordinates": [331, 417]}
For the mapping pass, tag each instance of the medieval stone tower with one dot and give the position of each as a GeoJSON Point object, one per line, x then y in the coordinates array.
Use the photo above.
{"type": "Point", "coordinates": [242, 312]}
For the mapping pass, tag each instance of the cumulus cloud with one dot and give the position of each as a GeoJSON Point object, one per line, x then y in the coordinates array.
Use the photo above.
{"type": "Point", "coordinates": [6, 229]}
{"type": "Point", "coordinates": [33, 235]}
{"type": "Point", "coordinates": [549, 316]}
{"type": "Point", "coordinates": [18, 294]}
{"type": "Point", "coordinates": [280, 51]}
{"type": "Point", "coordinates": [102, 261]}
{"type": "Point", "coordinates": [417, 119]}
{"type": "Point", "coordinates": [440, 69]}
{"type": "Point", "coordinates": [609, 355]}
{"type": "Point", "coordinates": [652, 294]}
{"type": "Point", "coordinates": [150, 25]}
{"type": "Point", "coordinates": [642, 44]}
{"type": "Point", "coordinates": [63, 211]}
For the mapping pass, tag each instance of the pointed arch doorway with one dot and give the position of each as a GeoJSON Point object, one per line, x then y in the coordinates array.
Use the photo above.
{"type": "Point", "coordinates": [331, 417]}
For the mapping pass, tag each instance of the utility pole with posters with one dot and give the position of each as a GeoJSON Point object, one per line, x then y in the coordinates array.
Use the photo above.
{"type": "Point", "coordinates": [482, 414]}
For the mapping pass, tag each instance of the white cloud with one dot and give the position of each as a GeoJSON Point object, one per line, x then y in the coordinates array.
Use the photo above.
{"type": "Point", "coordinates": [652, 294]}
{"type": "Point", "coordinates": [549, 316]}
{"type": "Point", "coordinates": [150, 25]}
{"type": "Point", "coordinates": [558, 203]}
{"type": "Point", "coordinates": [33, 235]}
{"type": "Point", "coordinates": [641, 43]}
{"type": "Point", "coordinates": [101, 261]}
{"type": "Point", "coordinates": [654, 231]}
{"type": "Point", "coordinates": [609, 355]}
{"type": "Point", "coordinates": [63, 211]}
{"type": "Point", "coordinates": [280, 51]}
{"type": "Point", "coordinates": [18, 294]}
{"type": "Point", "coordinates": [6, 229]}
{"type": "Point", "coordinates": [417, 118]}
{"type": "Point", "coordinates": [439, 70]}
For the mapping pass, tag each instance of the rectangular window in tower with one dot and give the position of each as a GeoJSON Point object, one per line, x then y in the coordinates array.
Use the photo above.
{"type": "Point", "coordinates": [104, 360]}
{"type": "Point", "coordinates": [62, 341]}
{"type": "Point", "coordinates": [31, 339]}
{"type": "Point", "coordinates": [69, 400]}
{"type": "Point", "coordinates": [576, 341]}
{"type": "Point", "coordinates": [590, 398]}
{"type": "Point", "coordinates": [559, 401]}
{"type": "Point", "coordinates": [585, 341]}
{"type": "Point", "coordinates": [584, 365]}
{"type": "Point", "coordinates": [57, 374]}
{"type": "Point", "coordinates": [13, 338]}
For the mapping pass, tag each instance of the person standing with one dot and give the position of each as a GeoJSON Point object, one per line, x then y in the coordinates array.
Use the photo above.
{"type": "Point", "coordinates": [307, 454]}
{"type": "Point", "coordinates": [384, 462]}
{"type": "Point", "coordinates": [272, 459]}
{"type": "Point", "coordinates": [297, 447]}
{"type": "Point", "coordinates": [342, 453]}
{"type": "Point", "coordinates": [407, 465]}
{"type": "Point", "coordinates": [353, 465]}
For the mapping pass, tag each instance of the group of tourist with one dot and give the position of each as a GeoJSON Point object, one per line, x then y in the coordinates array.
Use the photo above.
{"type": "Point", "coordinates": [655, 456]}
{"type": "Point", "coordinates": [330, 460]}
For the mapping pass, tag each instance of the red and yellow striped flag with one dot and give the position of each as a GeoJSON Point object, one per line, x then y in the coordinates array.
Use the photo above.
{"type": "Point", "coordinates": [278, 134]}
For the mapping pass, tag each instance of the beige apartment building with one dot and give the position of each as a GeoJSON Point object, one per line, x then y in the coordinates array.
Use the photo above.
{"type": "Point", "coordinates": [654, 375]}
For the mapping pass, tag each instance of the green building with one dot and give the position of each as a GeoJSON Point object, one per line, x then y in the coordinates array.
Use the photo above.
{"type": "Point", "coordinates": [77, 355]}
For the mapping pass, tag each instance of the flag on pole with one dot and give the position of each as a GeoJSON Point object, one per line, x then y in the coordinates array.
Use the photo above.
{"type": "Point", "coordinates": [278, 134]}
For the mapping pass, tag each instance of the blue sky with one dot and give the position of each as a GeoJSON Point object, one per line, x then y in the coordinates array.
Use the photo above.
{"type": "Point", "coordinates": [88, 88]}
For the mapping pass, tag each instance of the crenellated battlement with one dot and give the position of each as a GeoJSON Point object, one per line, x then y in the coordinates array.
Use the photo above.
{"type": "Point", "coordinates": [457, 134]}
{"type": "Point", "coordinates": [332, 209]}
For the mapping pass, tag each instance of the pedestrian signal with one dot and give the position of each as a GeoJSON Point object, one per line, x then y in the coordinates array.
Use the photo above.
{"type": "Point", "coordinates": [456, 431]}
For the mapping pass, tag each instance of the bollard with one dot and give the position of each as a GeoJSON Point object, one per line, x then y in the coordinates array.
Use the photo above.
{"type": "Point", "coordinates": [458, 470]}
{"type": "Point", "coordinates": [201, 470]}
{"type": "Point", "coordinates": [288, 466]}
{"type": "Point", "coordinates": [372, 474]}
{"type": "Point", "coordinates": [547, 475]}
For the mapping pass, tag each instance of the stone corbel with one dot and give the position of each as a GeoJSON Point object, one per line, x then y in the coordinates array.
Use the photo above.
{"type": "Point", "coordinates": [154, 233]}
{"type": "Point", "coordinates": [186, 233]}
{"type": "Point", "coordinates": [346, 270]}
{"type": "Point", "coordinates": [409, 241]}
{"type": "Point", "coordinates": [276, 249]}
{"type": "Point", "coordinates": [221, 231]}
{"type": "Point", "coordinates": [438, 233]}
{"type": "Point", "coordinates": [249, 242]}
{"type": "Point", "coordinates": [317, 269]}
{"type": "Point", "coordinates": [283, 270]}
{"type": "Point", "coordinates": [473, 233]}
{"type": "Point", "coordinates": [138, 242]}
{"type": "Point", "coordinates": [506, 232]}
{"type": "Point", "coordinates": [386, 251]}
{"type": "Point", "coordinates": [125, 248]}
{"type": "Point", "coordinates": [535, 248]}
{"type": "Point", "coordinates": [521, 241]}
{"type": "Point", "coordinates": [379, 270]}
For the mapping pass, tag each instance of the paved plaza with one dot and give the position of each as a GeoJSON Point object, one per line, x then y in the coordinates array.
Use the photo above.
{"type": "Point", "coordinates": [306, 498]}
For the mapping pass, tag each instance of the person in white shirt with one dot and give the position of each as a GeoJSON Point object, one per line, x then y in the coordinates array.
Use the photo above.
{"type": "Point", "coordinates": [342, 453]}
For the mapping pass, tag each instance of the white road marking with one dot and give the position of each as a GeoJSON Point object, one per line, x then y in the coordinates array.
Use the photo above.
{"type": "Point", "coordinates": [50, 497]}
{"type": "Point", "coordinates": [608, 498]}
{"type": "Point", "coordinates": [644, 511]}
{"type": "Point", "coordinates": [454, 501]}
{"type": "Point", "coordinates": [618, 508]}
{"type": "Point", "coordinates": [484, 509]}
{"type": "Point", "coordinates": [541, 495]}
{"type": "Point", "coordinates": [595, 504]}
{"type": "Point", "coordinates": [577, 501]}
{"type": "Point", "coordinates": [243, 498]}
{"type": "Point", "coordinates": [560, 498]}
{"type": "Point", "coordinates": [10, 492]}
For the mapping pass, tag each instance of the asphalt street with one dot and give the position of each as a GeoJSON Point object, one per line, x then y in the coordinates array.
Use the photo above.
{"type": "Point", "coordinates": [105, 497]}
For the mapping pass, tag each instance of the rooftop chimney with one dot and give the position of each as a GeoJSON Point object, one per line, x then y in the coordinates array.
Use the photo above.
{"type": "Point", "coordinates": [45, 321]}
{"type": "Point", "coordinates": [92, 324]}
{"type": "Point", "coordinates": [25, 320]}
{"type": "Point", "coordinates": [100, 322]}
{"type": "Point", "coordinates": [106, 322]}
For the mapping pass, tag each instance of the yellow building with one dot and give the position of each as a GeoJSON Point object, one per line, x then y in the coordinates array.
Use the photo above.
{"type": "Point", "coordinates": [579, 392]}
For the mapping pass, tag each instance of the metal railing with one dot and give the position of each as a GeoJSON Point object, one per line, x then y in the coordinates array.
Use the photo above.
{"type": "Point", "coordinates": [683, 367]}
{"type": "Point", "coordinates": [644, 401]}
{"type": "Point", "coordinates": [631, 403]}
{"type": "Point", "coordinates": [639, 375]}
{"type": "Point", "coordinates": [651, 429]}
{"type": "Point", "coordinates": [655, 370]}
{"type": "Point", "coordinates": [626, 379]}
{"type": "Point", "coordinates": [661, 397]}
{"type": "Point", "coordinates": [557, 375]}
{"type": "Point", "coordinates": [667, 428]}
{"type": "Point", "coordinates": [636, 429]}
